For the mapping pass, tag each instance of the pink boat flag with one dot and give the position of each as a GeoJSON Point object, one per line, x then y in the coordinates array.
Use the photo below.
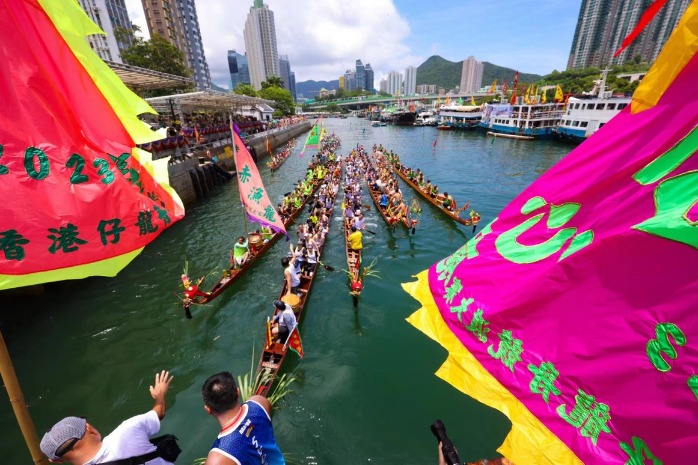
{"type": "Point", "coordinates": [253, 195]}
{"type": "Point", "coordinates": [575, 311]}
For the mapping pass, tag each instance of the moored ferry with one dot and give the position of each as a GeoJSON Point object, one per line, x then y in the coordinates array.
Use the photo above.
{"type": "Point", "coordinates": [587, 113]}
{"type": "Point", "coordinates": [460, 116]}
{"type": "Point", "coordinates": [536, 120]}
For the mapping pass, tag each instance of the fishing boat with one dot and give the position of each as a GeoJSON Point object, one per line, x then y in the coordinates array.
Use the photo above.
{"type": "Point", "coordinates": [587, 113]}
{"type": "Point", "coordinates": [426, 118]}
{"type": "Point", "coordinates": [400, 170]}
{"type": "Point", "coordinates": [384, 173]}
{"type": "Point", "coordinates": [273, 353]}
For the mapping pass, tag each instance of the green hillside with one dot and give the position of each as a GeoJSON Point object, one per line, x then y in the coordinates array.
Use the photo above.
{"type": "Point", "coordinates": [446, 74]}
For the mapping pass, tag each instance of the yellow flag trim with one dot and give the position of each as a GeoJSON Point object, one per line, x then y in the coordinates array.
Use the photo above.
{"type": "Point", "coordinates": [677, 52]}
{"type": "Point", "coordinates": [528, 437]}
{"type": "Point", "coordinates": [107, 267]}
{"type": "Point", "coordinates": [74, 25]}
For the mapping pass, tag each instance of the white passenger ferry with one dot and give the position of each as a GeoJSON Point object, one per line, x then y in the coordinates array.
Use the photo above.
{"type": "Point", "coordinates": [586, 114]}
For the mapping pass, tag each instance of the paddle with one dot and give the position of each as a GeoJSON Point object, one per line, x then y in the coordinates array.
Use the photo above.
{"type": "Point", "coordinates": [369, 231]}
{"type": "Point", "coordinates": [327, 267]}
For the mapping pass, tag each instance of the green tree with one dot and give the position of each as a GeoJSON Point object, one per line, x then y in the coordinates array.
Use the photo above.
{"type": "Point", "coordinates": [245, 89]}
{"type": "Point", "coordinates": [273, 81]}
{"type": "Point", "coordinates": [156, 54]}
{"type": "Point", "coordinates": [283, 100]}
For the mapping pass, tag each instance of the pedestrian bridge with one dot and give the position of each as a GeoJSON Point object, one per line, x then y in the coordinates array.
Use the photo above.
{"type": "Point", "coordinates": [366, 101]}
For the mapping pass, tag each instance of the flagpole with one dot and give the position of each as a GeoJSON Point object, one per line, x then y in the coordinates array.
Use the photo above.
{"type": "Point", "coordinates": [19, 405]}
{"type": "Point", "coordinates": [244, 215]}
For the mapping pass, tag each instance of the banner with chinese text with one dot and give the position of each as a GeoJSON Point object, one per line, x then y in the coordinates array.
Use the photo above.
{"type": "Point", "coordinates": [79, 199]}
{"type": "Point", "coordinates": [253, 195]}
{"type": "Point", "coordinates": [574, 311]}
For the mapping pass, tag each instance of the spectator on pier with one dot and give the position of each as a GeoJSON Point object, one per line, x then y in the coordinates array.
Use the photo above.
{"type": "Point", "coordinates": [76, 441]}
{"type": "Point", "coordinates": [247, 435]}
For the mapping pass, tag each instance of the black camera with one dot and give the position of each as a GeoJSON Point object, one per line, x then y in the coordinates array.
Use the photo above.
{"type": "Point", "coordinates": [447, 447]}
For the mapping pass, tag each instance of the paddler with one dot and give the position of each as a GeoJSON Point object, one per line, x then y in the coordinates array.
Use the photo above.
{"type": "Point", "coordinates": [283, 322]}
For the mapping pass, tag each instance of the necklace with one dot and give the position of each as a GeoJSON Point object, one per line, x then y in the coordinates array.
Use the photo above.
{"type": "Point", "coordinates": [233, 421]}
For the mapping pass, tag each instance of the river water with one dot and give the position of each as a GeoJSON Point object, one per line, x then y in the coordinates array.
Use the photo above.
{"type": "Point", "coordinates": [365, 392]}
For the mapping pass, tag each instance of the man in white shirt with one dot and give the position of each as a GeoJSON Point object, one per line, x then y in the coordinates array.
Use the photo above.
{"type": "Point", "coordinates": [74, 440]}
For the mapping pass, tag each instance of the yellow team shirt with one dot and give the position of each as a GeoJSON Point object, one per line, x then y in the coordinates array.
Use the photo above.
{"type": "Point", "coordinates": [355, 240]}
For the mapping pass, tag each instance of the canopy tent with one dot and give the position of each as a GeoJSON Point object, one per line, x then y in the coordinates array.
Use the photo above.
{"type": "Point", "coordinates": [204, 100]}
{"type": "Point", "coordinates": [138, 79]}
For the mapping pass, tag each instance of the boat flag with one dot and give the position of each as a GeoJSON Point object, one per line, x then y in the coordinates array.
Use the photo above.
{"type": "Point", "coordinates": [472, 100]}
{"type": "Point", "coordinates": [493, 87]}
{"type": "Point", "coordinates": [294, 342]}
{"type": "Point", "coordinates": [79, 197]}
{"type": "Point", "coordinates": [434, 145]}
{"type": "Point", "coordinates": [559, 96]}
{"type": "Point", "coordinates": [313, 139]}
{"type": "Point", "coordinates": [505, 87]}
{"type": "Point", "coordinates": [196, 135]}
{"type": "Point", "coordinates": [543, 97]}
{"type": "Point", "coordinates": [587, 346]}
{"type": "Point", "coordinates": [253, 195]}
{"type": "Point", "coordinates": [516, 81]}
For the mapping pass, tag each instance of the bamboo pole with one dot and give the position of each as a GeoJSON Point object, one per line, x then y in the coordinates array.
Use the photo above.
{"type": "Point", "coordinates": [14, 392]}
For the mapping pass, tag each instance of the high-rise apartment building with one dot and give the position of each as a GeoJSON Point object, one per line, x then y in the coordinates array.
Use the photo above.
{"type": "Point", "coordinates": [360, 75]}
{"type": "Point", "coordinates": [293, 86]}
{"type": "Point", "coordinates": [410, 80]}
{"type": "Point", "coordinates": [260, 43]}
{"type": "Point", "coordinates": [349, 80]}
{"type": "Point", "coordinates": [603, 24]}
{"type": "Point", "coordinates": [287, 76]}
{"type": "Point", "coordinates": [194, 44]}
{"type": "Point", "coordinates": [178, 22]}
{"type": "Point", "coordinates": [109, 15]}
{"type": "Point", "coordinates": [163, 18]}
{"type": "Point", "coordinates": [471, 75]}
{"type": "Point", "coordinates": [239, 70]}
{"type": "Point", "coordinates": [341, 82]}
{"type": "Point", "coordinates": [369, 78]}
{"type": "Point", "coordinates": [395, 83]}
{"type": "Point", "coordinates": [383, 86]}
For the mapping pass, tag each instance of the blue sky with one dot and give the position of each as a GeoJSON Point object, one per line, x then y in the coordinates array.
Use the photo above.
{"type": "Point", "coordinates": [324, 38]}
{"type": "Point", "coordinates": [532, 36]}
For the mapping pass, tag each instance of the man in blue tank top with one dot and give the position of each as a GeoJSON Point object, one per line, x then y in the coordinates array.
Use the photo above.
{"type": "Point", "coordinates": [247, 436]}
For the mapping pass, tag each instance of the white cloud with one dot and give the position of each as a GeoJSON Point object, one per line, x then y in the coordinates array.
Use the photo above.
{"type": "Point", "coordinates": [321, 39]}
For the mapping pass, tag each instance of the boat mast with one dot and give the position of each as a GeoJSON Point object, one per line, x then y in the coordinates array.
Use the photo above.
{"type": "Point", "coordinates": [232, 135]}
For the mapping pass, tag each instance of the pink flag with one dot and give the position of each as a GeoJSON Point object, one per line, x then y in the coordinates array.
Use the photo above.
{"type": "Point", "coordinates": [575, 310]}
{"type": "Point", "coordinates": [252, 193]}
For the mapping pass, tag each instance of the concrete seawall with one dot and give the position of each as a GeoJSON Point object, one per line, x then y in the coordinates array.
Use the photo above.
{"type": "Point", "coordinates": [193, 181]}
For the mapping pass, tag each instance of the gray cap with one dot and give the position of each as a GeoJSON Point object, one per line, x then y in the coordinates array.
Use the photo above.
{"type": "Point", "coordinates": [65, 430]}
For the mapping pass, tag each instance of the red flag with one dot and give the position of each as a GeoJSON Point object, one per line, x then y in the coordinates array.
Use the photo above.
{"type": "Point", "coordinates": [435, 143]}
{"type": "Point", "coordinates": [645, 19]}
{"type": "Point", "coordinates": [294, 342]}
{"type": "Point", "coordinates": [516, 80]}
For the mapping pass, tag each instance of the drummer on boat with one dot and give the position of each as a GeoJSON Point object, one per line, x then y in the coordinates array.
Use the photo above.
{"type": "Point", "coordinates": [241, 252]}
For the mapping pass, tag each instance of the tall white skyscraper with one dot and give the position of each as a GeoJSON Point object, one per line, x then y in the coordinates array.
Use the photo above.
{"type": "Point", "coordinates": [410, 80]}
{"type": "Point", "coordinates": [395, 83]}
{"type": "Point", "coordinates": [471, 76]}
{"type": "Point", "coordinates": [260, 43]}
